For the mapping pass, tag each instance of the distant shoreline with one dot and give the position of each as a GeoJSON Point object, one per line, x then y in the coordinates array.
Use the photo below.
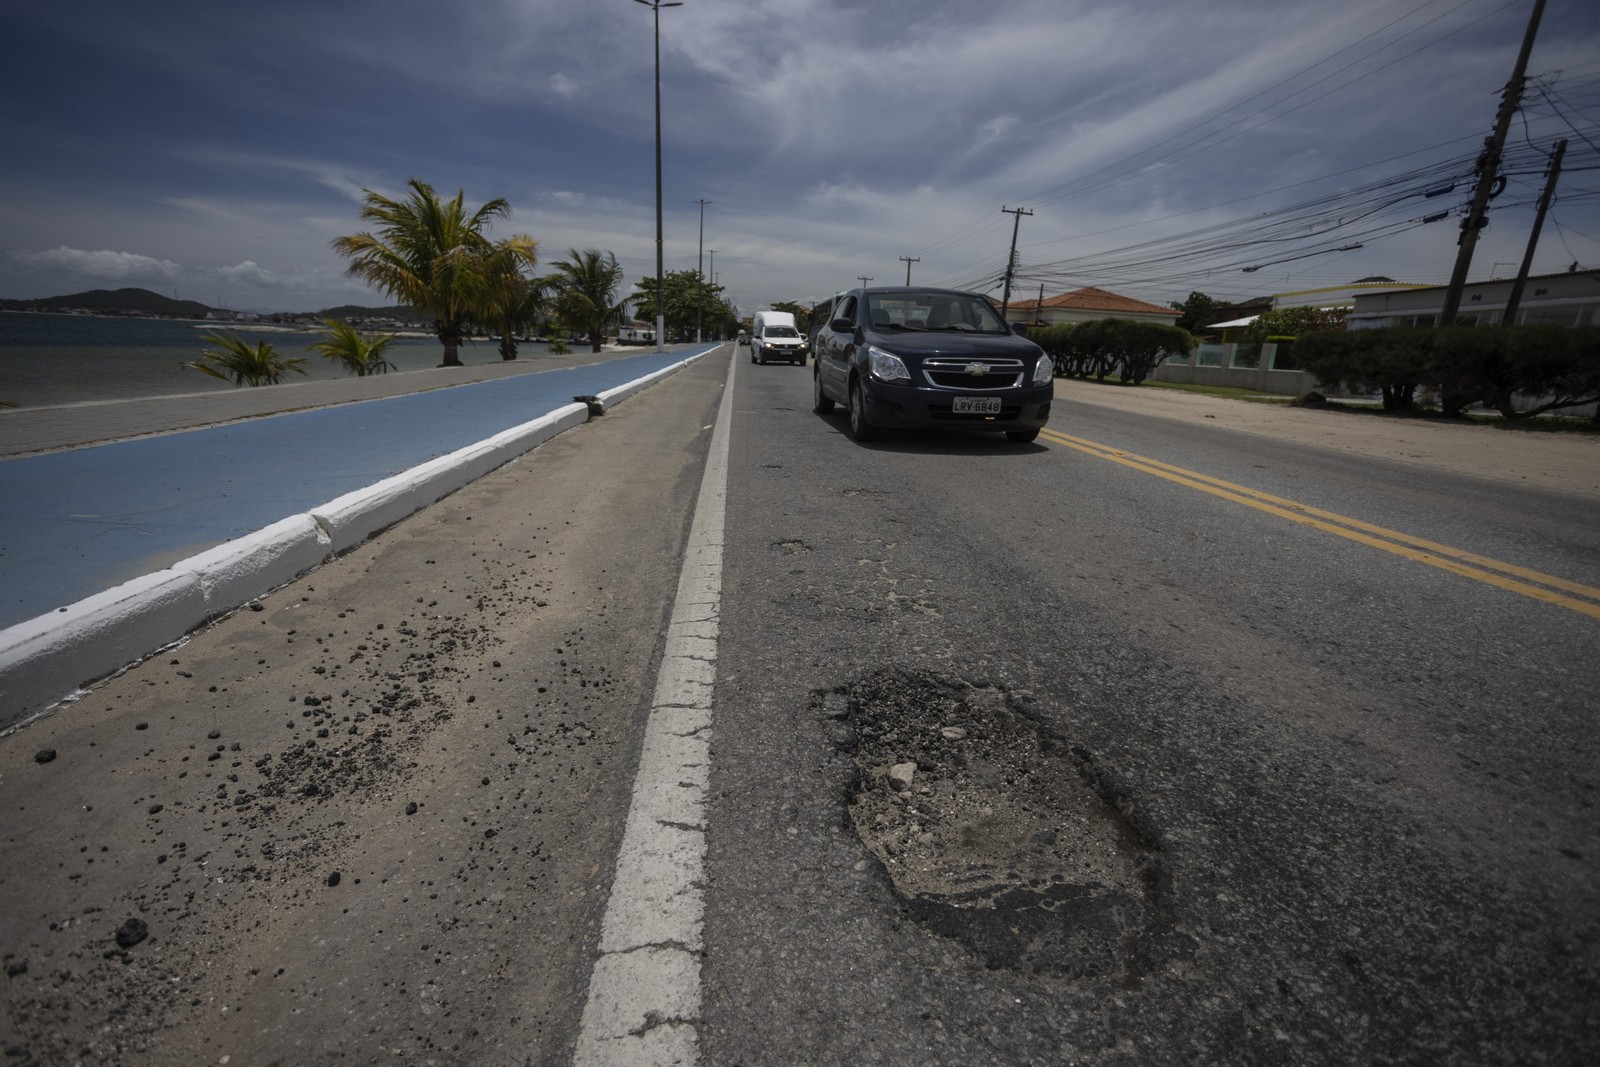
{"type": "Point", "coordinates": [249, 325]}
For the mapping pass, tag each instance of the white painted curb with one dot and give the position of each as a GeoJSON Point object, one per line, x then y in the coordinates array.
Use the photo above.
{"type": "Point", "coordinates": [356, 516]}
{"type": "Point", "coordinates": [47, 659]}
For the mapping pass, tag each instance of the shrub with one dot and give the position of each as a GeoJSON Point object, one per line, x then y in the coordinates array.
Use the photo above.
{"type": "Point", "coordinates": [1522, 370]}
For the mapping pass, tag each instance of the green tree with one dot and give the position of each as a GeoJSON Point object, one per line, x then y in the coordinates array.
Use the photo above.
{"type": "Point", "coordinates": [361, 355]}
{"type": "Point", "coordinates": [513, 301]}
{"type": "Point", "coordinates": [1390, 362]}
{"type": "Point", "coordinates": [724, 322]}
{"type": "Point", "coordinates": [584, 288]}
{"type": "Point", "coordinates": [1292, 322]}
{"type": "Point", "coordinates": [1199, 311]}
{"type": "Point", "coordinates": [1143, 345]}
{"type": "Point", "coordinates": [432, 254]}
{"type": "Point", "coordinates": [685, 294]}
{"type": "Point", "coordinates": [242, 363]}
{"type": "Point", "coordinates": [1131, 349]}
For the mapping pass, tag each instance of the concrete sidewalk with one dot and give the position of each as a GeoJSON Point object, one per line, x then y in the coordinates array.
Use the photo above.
{"type": "Point", "coordinates": [113, 551]}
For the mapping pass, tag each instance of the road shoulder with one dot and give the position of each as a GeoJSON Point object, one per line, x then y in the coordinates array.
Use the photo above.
{"type": "Point", "coordinates": [1567, 463]}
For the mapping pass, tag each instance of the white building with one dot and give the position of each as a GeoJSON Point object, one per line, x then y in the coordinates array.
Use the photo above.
{"type": "Point", "coordinates": [1568, 299]}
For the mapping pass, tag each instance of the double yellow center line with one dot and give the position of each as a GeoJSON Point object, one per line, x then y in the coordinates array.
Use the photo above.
{"type": "Point", "coordinates": [1574, 596]}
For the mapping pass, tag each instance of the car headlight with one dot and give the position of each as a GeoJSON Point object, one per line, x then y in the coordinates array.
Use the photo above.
{"type": "Point", "coordinates": [886, 366]}
{"type": "Point", "coordinates": [1044, 371]}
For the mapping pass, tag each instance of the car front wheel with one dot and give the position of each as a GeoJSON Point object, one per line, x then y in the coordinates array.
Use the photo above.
{"type": "Point", "coordinates": [860, 428]}
{"type": "Point", "coordinates": [1022, 437]}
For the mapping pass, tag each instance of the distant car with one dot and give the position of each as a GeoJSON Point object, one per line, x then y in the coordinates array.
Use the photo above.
{"type": "Point", "coordinates": [939, 358]}
{"type": "Point", "coordinates": [744, 338]}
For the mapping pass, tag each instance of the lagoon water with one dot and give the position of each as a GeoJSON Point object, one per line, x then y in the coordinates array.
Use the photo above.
{"type": "Point", "coordinates": [67, 359]}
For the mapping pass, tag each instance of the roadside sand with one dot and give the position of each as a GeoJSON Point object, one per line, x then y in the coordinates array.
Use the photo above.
{"type": "Point", "coordinates": [1563, 462]}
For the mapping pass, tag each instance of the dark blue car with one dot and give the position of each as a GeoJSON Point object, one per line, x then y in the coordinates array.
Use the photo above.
{"type": "Point", "coordinates": [930, 358]}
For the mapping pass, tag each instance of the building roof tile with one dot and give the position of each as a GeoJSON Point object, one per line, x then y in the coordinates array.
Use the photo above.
{"type": "Point", "coordinates": [1090, 298]}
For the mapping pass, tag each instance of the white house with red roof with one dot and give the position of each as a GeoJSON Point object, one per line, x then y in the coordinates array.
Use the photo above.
{"type": "Point", "coordinates": [1086, 305]}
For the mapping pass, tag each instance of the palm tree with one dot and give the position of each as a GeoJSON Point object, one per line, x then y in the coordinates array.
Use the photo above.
{"type": "Point", "coordinates": [513, 301]}
{"type": "Point", "coordinates": [243, 363]}
{"type": "Point", "coordinates": [431, 254]}
{"type": "Point", "coordinates": [360, 355]}
{"type": "Point", "coordinates": [585, 285]}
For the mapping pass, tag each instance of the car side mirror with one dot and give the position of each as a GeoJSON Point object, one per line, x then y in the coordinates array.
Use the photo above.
{"type": "Point", "coordinates": [842, 326]}
{"type": "Point", "coordinates": [1019, 328]}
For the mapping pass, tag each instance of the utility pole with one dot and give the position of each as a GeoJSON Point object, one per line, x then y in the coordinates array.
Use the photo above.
{"type": "Point", "coordinates": [864, 280]}
{"type": "Point", "coordinates": [699, 276]}
{"type": "Point", "coordinates": [1488, 172]}
{"type": "Point", "coordinates": [1016, 214]}
{"type": "Point", "coordinates": [1039, 316]}
{"type": "Point", "coordinates": [908, 260]}
{"type": "Point", "coordinates": [1545, 197]}
{"type": "Point", "coordinates": [661, 327]}
{"type": "Point", "coordinates": [711, 271]}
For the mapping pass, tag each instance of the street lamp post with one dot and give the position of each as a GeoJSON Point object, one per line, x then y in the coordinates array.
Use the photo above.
{"type": "Point", "coordinates": [661, 307]}
{"type": "Point", "coordinates": [699, 276]}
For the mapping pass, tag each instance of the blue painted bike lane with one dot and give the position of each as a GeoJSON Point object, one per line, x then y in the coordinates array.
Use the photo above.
{"type": "Point", "coordinates": [76, 523]}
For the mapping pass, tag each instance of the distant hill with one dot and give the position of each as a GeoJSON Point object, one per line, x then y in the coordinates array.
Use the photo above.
{"type": "Point", "coordinates": [145, 302]}
{"type": "Point", "coordinates": [354, 311]}
{"type": "Point", "coordinates": [114, 301]}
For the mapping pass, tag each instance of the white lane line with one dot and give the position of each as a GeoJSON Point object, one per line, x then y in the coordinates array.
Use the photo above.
{"type": "Point", "coordinates": [644, 991]}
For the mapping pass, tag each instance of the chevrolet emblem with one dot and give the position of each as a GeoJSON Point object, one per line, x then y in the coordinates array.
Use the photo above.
{"type": "Point", "coordinates": [977, 370]}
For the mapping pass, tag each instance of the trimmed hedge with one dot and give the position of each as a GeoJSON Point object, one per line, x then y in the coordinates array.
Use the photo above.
{"type": "Point", "coordinates": [1101, 347]}
{"type": "Point", "coordinates": [1521, 371]}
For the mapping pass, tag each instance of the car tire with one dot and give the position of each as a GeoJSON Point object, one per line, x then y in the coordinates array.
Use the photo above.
{"type": "Point", "coordinates": [821, 403]}
{"type": "Point", "coordinates": [860, 428]}
{"type": "Point", "coordinates": [1022, 437]}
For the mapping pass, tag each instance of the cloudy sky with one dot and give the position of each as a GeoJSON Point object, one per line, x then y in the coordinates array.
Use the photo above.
{"type": "Point", "coordinates": [212, 150]}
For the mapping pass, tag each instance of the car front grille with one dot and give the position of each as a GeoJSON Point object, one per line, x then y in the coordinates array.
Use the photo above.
{"type": "Point", "coordinates": [945, 372]}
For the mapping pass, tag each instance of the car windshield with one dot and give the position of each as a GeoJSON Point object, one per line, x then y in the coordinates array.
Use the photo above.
{"type": "Point", "coordinates": [933, 310]}
{"type": "Point", "coordinates": [782, 331]}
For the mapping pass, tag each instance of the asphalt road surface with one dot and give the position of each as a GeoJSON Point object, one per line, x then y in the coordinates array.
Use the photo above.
{"type": "Point", "coordinates": [1147, 743]}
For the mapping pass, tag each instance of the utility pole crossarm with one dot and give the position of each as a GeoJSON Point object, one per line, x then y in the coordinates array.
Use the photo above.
{"type": "Point", "coordinates": [1016, 214]}
{"type": "Point", "coordinates": [1488, 170]}
{"type": "Point", "coordinates": [908, 260]}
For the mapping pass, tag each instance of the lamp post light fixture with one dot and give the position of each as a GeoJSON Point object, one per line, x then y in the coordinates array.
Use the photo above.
{"type": "Point", "coordinates": [661, 307]}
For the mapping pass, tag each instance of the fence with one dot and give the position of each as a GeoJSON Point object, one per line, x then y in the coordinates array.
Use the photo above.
{"type": "Point", "coordinates": [1264, 367]}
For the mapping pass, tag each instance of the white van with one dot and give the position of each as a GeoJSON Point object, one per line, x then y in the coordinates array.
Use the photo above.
{"type": "Point", "coordinates": [774, 336]}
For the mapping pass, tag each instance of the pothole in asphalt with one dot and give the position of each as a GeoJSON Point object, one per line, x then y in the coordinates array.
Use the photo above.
{"type": "Point", "coordinates": [989, 827]}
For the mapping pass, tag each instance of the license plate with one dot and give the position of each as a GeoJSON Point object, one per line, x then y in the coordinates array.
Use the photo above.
{"type": "Point", "coordinates": [976, 405]}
